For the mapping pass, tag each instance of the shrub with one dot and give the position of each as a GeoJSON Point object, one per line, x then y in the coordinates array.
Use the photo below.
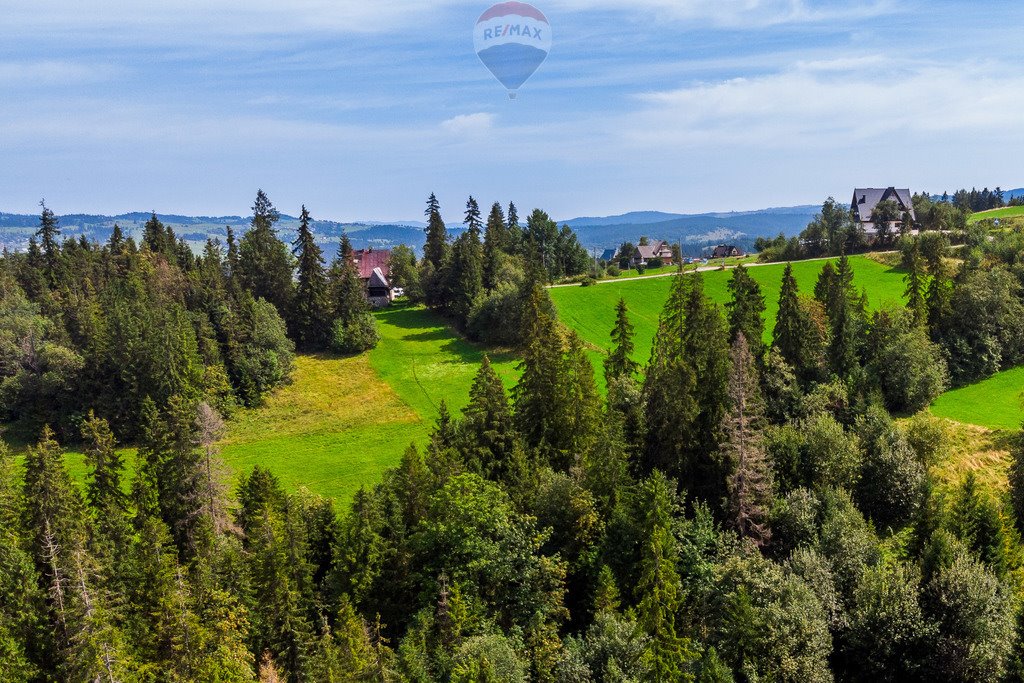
{"type": "Point", "coordinates": [588, 281]}
{"type": "Point", "coordinates": [356, 336]}
{"type": "Point", "coordinates": [614, 271]}
{"type": "Point", "coordinates": [655, 263]}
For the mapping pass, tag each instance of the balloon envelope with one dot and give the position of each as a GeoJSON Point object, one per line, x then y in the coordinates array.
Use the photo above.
{"type": "Point", "coordinates": [512, 39]}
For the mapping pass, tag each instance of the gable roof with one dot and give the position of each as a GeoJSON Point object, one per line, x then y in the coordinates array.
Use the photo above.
{"type": "Point", "coordinates": [367, 260]}
{"type": "Point", "coordinates": [377, 279]}
{"type": "Point", "coordinates": [608, 254]}
{"type": "Point", "coordinates": [865, 199]}
{"type": "Point", "coordinates": [654, 250]}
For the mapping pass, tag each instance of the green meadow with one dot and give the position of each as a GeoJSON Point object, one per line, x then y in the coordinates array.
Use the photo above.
{"type": "Point", "coordinates": [1005, 212]}
{"type": "Point", "coordinates": [994, 402]}
{"type": "Point", "coordinates": [591, 310]}
{"type": "Point", "coordinates": [343, 421]}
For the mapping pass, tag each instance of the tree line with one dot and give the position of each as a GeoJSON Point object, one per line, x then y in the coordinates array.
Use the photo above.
{"type": "Point", "coordinates": [481, 280]}
{"type": "Point", "coordinates": [731, 510]}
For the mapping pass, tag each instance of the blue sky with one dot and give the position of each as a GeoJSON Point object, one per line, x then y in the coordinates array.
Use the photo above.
{"type": "Point", "coordinates": [361, 109]}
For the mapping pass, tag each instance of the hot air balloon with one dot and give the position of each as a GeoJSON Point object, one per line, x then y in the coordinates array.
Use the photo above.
{"type": "Point", "coordinates": [512, 39]}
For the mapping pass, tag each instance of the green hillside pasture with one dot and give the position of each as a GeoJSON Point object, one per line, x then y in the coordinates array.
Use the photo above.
{"type": "Point", "coordinates": [336, 427]}
{"type": "Point", "coordinates": [1005, 212]}
{"type": "Point", "coordinates": [343, 421]}
{"type": "Point", "coordinates": [424, 362]}
{"type": "Point", "coordinates": [994, 403]}
{"type": "Point", "coordinates": [591, 310]}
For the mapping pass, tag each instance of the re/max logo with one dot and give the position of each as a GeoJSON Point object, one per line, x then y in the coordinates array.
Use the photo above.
{"type": "Point", "coordinates": [512, 30]}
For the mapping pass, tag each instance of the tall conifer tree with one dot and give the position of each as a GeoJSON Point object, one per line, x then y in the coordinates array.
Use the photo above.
{"type": "Point", "coordinates": [311, 309]}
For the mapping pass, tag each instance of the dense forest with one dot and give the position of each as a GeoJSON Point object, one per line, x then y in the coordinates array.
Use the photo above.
{"type": "Point", "coordinates": [731, 510]}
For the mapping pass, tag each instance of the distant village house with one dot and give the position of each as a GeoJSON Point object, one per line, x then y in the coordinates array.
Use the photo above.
{"type": "Point", "coordinates": [658, 249]}
{"type": "Point", "coordinates": [727, 251]}
{"type": "Point", "coordinates": [866, 199]}
{"type": "Point", "coordinates": [375, 272]}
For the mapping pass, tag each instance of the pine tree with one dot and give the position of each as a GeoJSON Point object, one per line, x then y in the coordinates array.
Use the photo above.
{"type": "Point", "coordinates": [619, 362]}
{"type": "Point", "coordinates": [746, 310]}
{"type": "Point", "coordinates": [310, 317]}
{"type": "Point", "coordinates": [264, 262]}
{"type": "Point", "coordinates": [48, 232]}
{"type": "Point", "coordinates": [749, 484]}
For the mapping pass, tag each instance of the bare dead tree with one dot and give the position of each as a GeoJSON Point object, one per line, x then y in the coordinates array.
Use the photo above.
{"type": "Point", "coordinates": [750, 481]}
{"type": "Point", "coordinates": [214, 491]}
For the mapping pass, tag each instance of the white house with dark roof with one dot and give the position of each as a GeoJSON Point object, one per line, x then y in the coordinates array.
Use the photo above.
{"type": "Point", "coordinates": [865, 199]}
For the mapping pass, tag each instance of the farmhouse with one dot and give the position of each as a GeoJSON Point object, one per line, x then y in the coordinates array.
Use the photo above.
{"type": "Point", "coordinates": [659, 249]}
{"type": "Point", "coordinates": [375, 270]}
{"type": "Point", "coordinates": [727, 251]}
{"type": "Point", "coordinates": [865, 199]}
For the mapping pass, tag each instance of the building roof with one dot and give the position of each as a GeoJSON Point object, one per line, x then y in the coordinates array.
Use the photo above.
{"type": "Point", "coordinates": [654, 250]}
{"type": "Point", "coordinates": [608, 254]}
{"type": "Point", "coordinates": [369, 260]}
{"type": "Point", "coordinates": [378, 279]}
{"type": "Point", "coordinates": [865, 199]}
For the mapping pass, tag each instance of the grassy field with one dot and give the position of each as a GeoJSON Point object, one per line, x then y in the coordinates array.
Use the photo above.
{"type": "Point", "coordinates": [424, 362]}
{"type": "Point", "coordinates": [1005, 212]}
{"type": "Point", "coordinates": [336, 427]}
{"type": "Point", "coordinates": [591, 310]}
{"type": "Point", "coordinates": [994, 403]}
{"type": "Point", "coordinates": [343, 421]}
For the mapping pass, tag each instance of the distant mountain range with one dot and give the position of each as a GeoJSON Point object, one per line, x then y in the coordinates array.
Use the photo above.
{"type": "Point", "coordinates": [693, 231]}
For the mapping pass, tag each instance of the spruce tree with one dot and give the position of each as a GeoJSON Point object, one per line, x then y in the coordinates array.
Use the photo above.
{"type": "Point", "coordinates": [473, 220]}
{"type": "Point", "coordinates": [436, 249]}
{"type": "Point", "coordinates": [746, 310]}
{"type": "Point", "coordinates": [670, 407]}
{"type": "Point", "coordinates": [787, 334]}
{"type": "Point", "coordinates": [48, 232]}
{"type": "Point", "coordinates": [536, 397]}
{"type": "Point", "coordinates": [310, 311]}
{"type": "Point", "coordinates": [347, 293]}
{"type": "Point", "coordinates": [496, 244]}
{"type": "Point", "coordinates": [659, 585]}
{"type": "Point", "coordinates": [264, 262]}
{"type": "Point", "coordinates": [845, 325]}
{"type": "Point", "coordinates": [749, 483]}
{"type": "Point", "coordinates": [619, 362]}
{"type": "Point", "coordinates": [706, 347]}
{"type": "Point", "coordinates": [915, 291]}
{"type": "Point", "coordinates": [515, 233]}
{"type": "Point", "coordinates": [464, 275]}
{"type": "Point", "coordinates": [487, 434]}
{"type": "Point", "coordinates": [580, 403]}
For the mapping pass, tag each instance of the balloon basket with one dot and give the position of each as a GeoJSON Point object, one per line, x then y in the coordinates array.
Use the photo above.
{"type": "Point", "coordinates": [512, 95]}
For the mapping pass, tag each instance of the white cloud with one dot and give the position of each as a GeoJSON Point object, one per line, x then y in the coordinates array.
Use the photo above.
{"type": "Point", "coordinates": [469, 125]}
{"type": "Point", "coordinates": [841, 102]}
{"type": "Point", "coordinates": [53, 72]}
{"type": "Point", "coordinates": [227, 18]}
